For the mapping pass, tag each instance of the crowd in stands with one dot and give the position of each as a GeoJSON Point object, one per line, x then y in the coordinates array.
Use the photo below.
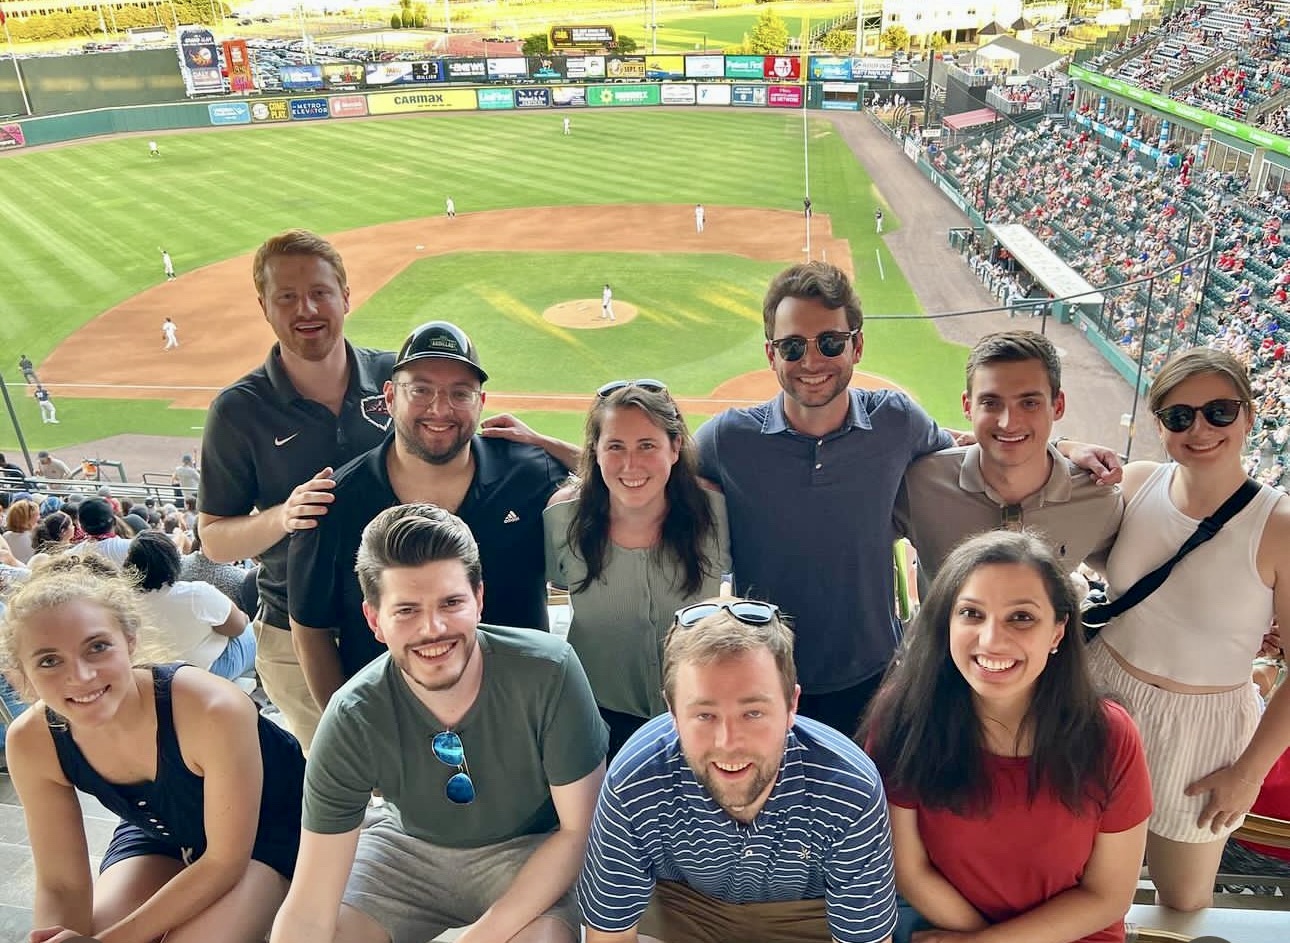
{"type": "Point", "coordinates": [1114, 217]}
{"type": "Point", "coordinates": [1247, 43]}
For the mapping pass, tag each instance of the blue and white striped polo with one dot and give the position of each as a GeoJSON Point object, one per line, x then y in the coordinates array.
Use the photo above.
{"type": "Point", "coordinates": [823, 832]}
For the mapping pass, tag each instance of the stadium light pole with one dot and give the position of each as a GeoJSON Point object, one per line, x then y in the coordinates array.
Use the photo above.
{"type": "Point", "coordinates": [1142, 360]}
{"type": "Point", "coordinates": [806, 150]}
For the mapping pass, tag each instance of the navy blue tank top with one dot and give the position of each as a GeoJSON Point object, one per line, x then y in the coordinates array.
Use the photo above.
{"type": "Point", "coordinates": [170, 808]}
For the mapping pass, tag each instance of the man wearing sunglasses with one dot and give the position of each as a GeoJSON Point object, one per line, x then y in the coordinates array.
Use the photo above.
{"type": "Point", "coordinates": [733, 817]}
{"type": "Point", "coordinates": [810, 480]}
{"type": "Point", "coordinates": [499, 486]}
{"type": "Point", "coordinates": [1012, 476]}
{"type": "Point", "coordinates": [485, 742]}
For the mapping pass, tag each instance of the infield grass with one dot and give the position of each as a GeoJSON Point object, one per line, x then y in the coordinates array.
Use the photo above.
{"type": "Point", "coordinates": [84, 224]}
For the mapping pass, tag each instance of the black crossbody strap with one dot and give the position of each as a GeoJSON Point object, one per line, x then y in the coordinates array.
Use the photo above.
{"type": "Point", "coordinates": [1101, 615]}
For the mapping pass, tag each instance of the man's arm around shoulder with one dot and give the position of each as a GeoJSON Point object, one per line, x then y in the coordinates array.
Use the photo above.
{"type": "Point", "coordinates": [309, 913]}
{"type": "Point", "coordinates": [551, 869]}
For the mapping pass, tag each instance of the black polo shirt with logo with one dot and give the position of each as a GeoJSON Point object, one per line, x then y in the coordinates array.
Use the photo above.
{"type": "Point", "coordinates": [503, 508]}
{"type": "Point", "coordinates": [262, 439]}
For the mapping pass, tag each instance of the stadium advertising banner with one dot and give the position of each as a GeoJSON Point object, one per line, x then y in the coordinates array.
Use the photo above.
{"type": "Point", "coordinates": [582, 37]}
{"type": "Point", "coordinates": [748, 95]}
{"type": "Point", "coordinates": [784, 96]}
{"type": "Point", "coordinates": [343, 74]}
{"type": "Point", "coordinates": [237, 59]}
{"type": "Point", "coordinates": [309, 109]}
{"type": "Point", "coordinates": [502, 69]}
{"type": "Point", "coordinates": [625, 67]}
{"type": "Point", "coordinates": [673, 93]}
{"type": "Point", "coordinates": [385, 74]}
{"type": "Point", "coordinates": [348, 106]}
{"type": "Point", "coordinates": [713, 94]}
{"type": "Point", "coordinates": [301, 77]}
{"type": "Point", "coordinates": [705, 67]}
{"type": "Point", "coordinates": [532, 98]}
{"type": "Point", "coordinates": [199, 61]}
{"type": "Point", "coordinates": [664, 67]}
{"type": "Point", "coordinates": [495, 99]}
{"type": "Point", "coordinates": [608, 96]}
{"type": "Point", "coordinates": [547, 68]}
{"type": "Point", "coordinates": [830, 69]}
{"type": "Point", "coordinates": [585, 67]}
{"type": "Point", "coordinates": [11, 136]}
{"type": "Point", "coordinates": [396, 103]}
{"type": "Point", "coordinates": [870, 67]}
{"type": "Point", "coordinates": [569, 96]}
{"type": "Point", "coordinates": [471, 69]}
{"type": "Point", "coordinates": [745, 67]}
{"type": "Point", "coordinates": [782, 67]}
{"type": "Point", "coordinates": [276, 109]}
{"type": "Point", "coordinates": [230, 113]}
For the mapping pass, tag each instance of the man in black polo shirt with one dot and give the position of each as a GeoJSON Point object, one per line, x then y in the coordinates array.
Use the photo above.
{"type": "Point", "coordinates": [497, 486]}
{"type": "Point", "coordinates": [273, 437]}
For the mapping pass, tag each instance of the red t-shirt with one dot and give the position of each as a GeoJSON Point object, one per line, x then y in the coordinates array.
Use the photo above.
{"type": "Point", "coordinates": [1274, 800]}
{"type": "Point", "coordinates": [1018, 855]}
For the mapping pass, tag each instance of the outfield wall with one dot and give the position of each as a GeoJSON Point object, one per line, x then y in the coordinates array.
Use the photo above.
{"type": "Point", "coordinates": [55, 129]}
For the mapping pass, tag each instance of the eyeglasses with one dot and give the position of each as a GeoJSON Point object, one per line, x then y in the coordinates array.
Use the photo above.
{"type": "Point", "coordinates": [422, 394]}
{"type": "Point", "coordinates": [654, 386]}
{"type": "Point", "coordinates": [1217, 412]}
{"type": "Point", "coordinates": [747, 612]}
{"type": "Point", "coordinates": [449, 751]}
{"type": "Point", "coordinates": [828, 343]}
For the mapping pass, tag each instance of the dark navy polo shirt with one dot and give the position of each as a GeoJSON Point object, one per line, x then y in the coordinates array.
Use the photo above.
{"type": "Point", "coordinates": [811, 523]}
{"type": "Point", "coordinates": [262, 439]}
{"type": "Point", "coordinates": [503, 509]}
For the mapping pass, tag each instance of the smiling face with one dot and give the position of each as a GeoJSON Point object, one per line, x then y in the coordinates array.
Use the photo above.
{"type": "Point", "coordinates": [1204, 445]}
{"type": "Point", "coordinates": [635, 457]}
{"type": "Point", "coordinates": [77, 659]}
{"type": "Point", "coordinates": [814, 382]}
{"type": "Point", "coordinates": [437, 431]}
{"type": "Point", "coordinates": [732, 719]}
{"type": "Point", "coordinates": [427, 617]}
{"type": "Point", "coordinates": [305, 304]}
{"type": "Point", "coordinates": [1012, 411]}
{"type": "Point", "coordinates": [1002, 628]}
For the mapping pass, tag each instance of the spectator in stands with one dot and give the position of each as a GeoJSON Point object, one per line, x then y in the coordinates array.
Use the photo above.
{"type": "Point", "coordinates": [11, 475]}
{"type": "Point", "coordinates": [319, 393]}
{"type": "Point", "coordinates": [633, 538]}
{"type": "Point", "coordinates": [186, 478]}
{"type": "Point", "coordinates": [485, 739]}
{"type": "Point", "coordinates": [20, 527]}
{"type": "Point", "coordinates": [53, 536]}
{"type": "Point", "coordinates": [732, 816]}
{"type": "Point", "coordinates": [211, 812]}
{"type": "Point", "coordinates": [196, 620]}
{"type": "Point", "coordinates": [989, 733]}
{"type": "Point", "coordinates": [54, 469]}
{"type": "Point", "coordinates": [99, 522]}
{"type": "Point", "coordinates": [228, 578]}
{"type": "Point", "coordinates": [1180, 658]}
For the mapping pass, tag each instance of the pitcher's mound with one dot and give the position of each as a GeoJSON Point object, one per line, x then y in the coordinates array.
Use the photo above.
{"type": "Point", "coordinates": [585, 313]}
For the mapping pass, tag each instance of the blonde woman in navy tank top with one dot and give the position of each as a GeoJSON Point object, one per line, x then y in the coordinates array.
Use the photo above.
{"type": "Point", "coordinates": [1180, 660]}
{"type": "Point", "coordinates": [208, 791]}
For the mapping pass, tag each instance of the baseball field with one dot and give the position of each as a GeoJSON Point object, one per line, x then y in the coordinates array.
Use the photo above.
{"type": "Point", "coordinates": [544, 220]}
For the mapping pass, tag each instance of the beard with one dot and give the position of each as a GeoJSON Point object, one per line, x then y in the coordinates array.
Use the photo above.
{"type": "Point", "coordinates": [734, 798]}
{"type": "Point", "coordinates": [409, 663]}
{"type": "Point", "coordinates": [408, 438]}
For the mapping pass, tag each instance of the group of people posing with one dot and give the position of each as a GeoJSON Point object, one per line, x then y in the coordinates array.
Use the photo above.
{"type": "Point", "coordinates": [739, 739]}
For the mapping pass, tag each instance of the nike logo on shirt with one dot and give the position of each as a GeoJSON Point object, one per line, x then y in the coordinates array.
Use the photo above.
{"type": "Point", "coordinates": [285, 439]}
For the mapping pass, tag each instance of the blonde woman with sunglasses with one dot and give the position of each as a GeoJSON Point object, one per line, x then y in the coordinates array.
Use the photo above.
{"type": "Point", "coordinates": [1180, 658]}
{"type": "Point", "coordinates": [636, 537]}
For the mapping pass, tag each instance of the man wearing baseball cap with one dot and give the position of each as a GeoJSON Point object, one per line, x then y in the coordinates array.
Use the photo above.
{"type": "Point", "coordinates": [497, 485]}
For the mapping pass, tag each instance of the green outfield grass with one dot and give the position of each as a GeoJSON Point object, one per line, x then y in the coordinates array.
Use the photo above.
{"type": "Point", "coordinates": [84, 224]}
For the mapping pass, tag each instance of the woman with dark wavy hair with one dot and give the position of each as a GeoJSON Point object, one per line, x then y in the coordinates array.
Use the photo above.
{"type": "Point", "coordinates": [634, 538]}
{"type": "Point", "coordinates": [1017, 794]}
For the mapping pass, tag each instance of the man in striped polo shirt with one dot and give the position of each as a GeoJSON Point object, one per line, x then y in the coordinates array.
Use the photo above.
{"type": "Point", "coordinates": [732, 818]}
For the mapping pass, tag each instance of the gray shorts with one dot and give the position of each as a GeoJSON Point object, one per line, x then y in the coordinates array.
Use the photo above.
{"type": "Point", "coordinates": [416, 890]}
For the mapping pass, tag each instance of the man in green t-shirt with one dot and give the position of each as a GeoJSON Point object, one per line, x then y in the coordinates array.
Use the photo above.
{"type": "Point", "coordinates": [485, 743]}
